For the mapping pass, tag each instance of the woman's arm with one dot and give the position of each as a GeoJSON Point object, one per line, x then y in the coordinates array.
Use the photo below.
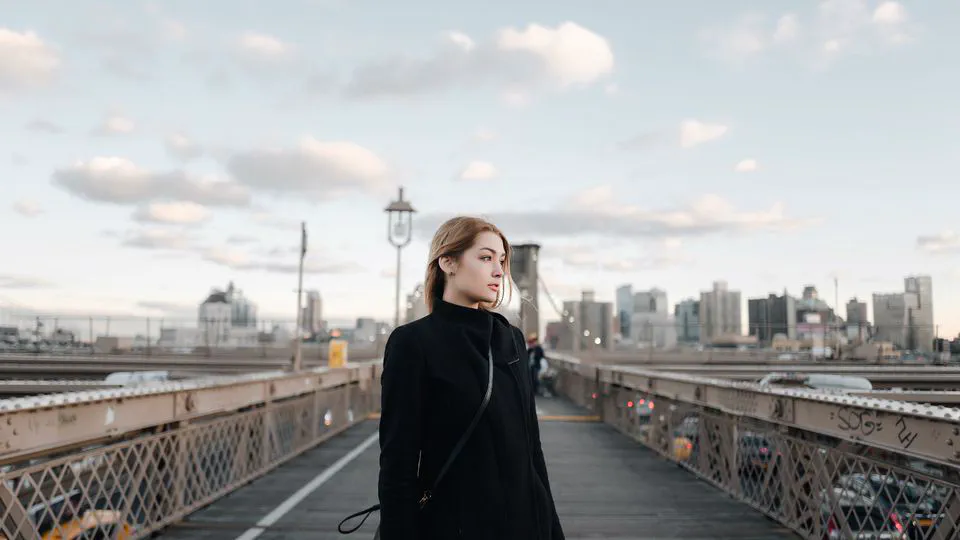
{"type": "Point", "coordinates": [400, 428]}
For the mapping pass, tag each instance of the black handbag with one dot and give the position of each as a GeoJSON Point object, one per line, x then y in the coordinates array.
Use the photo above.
{"type": "Point", "coordinates": [427, 494]}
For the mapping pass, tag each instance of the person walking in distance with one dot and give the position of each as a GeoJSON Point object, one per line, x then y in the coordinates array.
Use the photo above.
{"type": "Point", "coordinates": [460, 450]}
{"type": "Point", "coordinates": [535, 355]}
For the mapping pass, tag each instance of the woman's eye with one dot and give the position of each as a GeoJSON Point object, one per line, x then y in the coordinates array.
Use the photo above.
{"type": "Point", "coordinates": [486, 258]}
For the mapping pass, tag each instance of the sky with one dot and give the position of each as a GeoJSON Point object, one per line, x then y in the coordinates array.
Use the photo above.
{"type": "Point", "coordinates": [153, 150]}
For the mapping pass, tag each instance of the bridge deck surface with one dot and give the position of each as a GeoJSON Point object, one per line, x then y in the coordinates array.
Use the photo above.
{"type": "Point", "coordinates": [605, 485]}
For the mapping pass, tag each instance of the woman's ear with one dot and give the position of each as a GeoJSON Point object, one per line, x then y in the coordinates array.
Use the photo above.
{"type": "Point", "coordinates": [448, 265]}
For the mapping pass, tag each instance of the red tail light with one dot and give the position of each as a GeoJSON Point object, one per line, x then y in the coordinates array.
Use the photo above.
{"type": "Point", "coordinates": [831, 525]}
{"type": "Point", "coordinates": [896, 522]}
{"type": "Point", "coordinates": [630, 404]}
{"type": "Point", "coordinates": [764, 450]}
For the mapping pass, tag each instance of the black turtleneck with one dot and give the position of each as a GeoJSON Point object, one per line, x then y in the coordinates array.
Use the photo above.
{"type": "Point", "coordinates": [434, 377]}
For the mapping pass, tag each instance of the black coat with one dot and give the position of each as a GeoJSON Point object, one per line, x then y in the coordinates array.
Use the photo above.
{"type": "Point", "coordinates": [434, 376]}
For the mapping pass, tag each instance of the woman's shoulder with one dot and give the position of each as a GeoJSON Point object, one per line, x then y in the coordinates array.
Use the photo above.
{"type": "Point", "coordinates": [506, 325]}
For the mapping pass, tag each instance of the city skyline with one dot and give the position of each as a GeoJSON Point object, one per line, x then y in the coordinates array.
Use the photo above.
{"type": "Point", "coordinates": [166, 147]}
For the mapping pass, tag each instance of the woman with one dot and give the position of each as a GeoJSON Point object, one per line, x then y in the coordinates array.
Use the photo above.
{"type": "Point", "coordinates": [435, 375]}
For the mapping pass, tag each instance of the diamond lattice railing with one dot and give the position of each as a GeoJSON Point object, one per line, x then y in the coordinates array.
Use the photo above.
{"type": "Point", "coordinates": [133, 487]}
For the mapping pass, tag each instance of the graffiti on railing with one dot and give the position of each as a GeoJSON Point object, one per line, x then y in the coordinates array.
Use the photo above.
{"type": "Point", "coordinates": [866, 422]}
{"type": "Point", "coordinates": [906, 436]}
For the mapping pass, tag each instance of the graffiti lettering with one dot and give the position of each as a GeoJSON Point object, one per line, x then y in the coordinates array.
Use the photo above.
{"type": "Point", "coordinates": [906, 436]}
{"type": "Point", "coordinates": [864, 422]}
{"type": "Point", "coordinates": [66, 418]}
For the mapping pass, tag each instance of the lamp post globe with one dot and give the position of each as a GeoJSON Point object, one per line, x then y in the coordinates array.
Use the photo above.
{"type": "Point", "coordinates": [399, 233]}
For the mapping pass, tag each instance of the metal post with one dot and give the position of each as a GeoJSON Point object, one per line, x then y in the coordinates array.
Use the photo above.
{"type": "Point", "coordinates": [297, 360]}
{"type": "Point", "coordinates": [396, 314]}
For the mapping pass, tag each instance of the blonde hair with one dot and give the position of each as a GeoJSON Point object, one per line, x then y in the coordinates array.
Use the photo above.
{"type": "Point", "coordinates": [453, 238]}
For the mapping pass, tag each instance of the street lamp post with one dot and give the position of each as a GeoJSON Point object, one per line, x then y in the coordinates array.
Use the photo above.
{"type": "Point", "coordinates": [399, 233]}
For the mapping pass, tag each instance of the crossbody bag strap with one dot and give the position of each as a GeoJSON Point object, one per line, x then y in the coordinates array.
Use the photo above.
{"type": "Point", "coordinates": [453, 454]}
{"type": "Point", "coordinates": [466, 435]}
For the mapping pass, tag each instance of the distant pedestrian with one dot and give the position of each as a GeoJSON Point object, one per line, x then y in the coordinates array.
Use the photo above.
{"type": "Point", "coordinates": [535, 358]}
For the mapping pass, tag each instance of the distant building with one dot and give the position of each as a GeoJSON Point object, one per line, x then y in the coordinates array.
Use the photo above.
{"type": "Point", "coordinates": [311, 317]}
{"type": "Point", "coordinates": [225, 319]}
{"type": "Point", "coordinates": [921, 318]}
{"type": "Point", "coordinates": [652, 301]}
{"type": "Point", "coordinates": [653, 329]}
{"type": "Point", "coordinates": [772, 316]}
{"type": "Point", "coordinates": [624, 299]}
{"type": "Point", "coordinates": [906, 319]}
{"type": "Point", "coordinates": [588, 324]}
{"type": "Point", "coordinates": [524, 269]}
{"type": "Point", "coordinates": [686, 316]}
{"type": "Point", "coordinates": [858, 323]}
{"type": "Point", "coordinates": [720, 313]}
{"type": "Point", "coordinates": [416, 304]}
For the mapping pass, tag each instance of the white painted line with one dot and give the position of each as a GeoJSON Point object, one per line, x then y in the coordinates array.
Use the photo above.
{"type": "Point", "coordinates": [302, 493]}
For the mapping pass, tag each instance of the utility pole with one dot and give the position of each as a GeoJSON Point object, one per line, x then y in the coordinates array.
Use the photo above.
{"type": "Point", "coordinates": [297, 364]}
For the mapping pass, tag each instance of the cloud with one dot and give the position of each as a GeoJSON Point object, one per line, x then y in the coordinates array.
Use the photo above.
{"type": "Point", "coordinates": [484, 135]}
{"type": "Point", "coordinates": [26, 61]}
{"type": "Point", "coordinates": [180, 147]}
{"type": "Point", "coordinates": [170, 309]}
{"type": "Point", "coordinates": [599, 211]}
{"type": "Point", "coordinates": [120, 181]}
{"type": "Point", "coordinates": [115, 124]}
{"type": "Point", "coordinates": [568, 55]}
{"type": "Point", "coordinates": [746, 165]}
{"type": "Point", "coordinates": [237, 260]}
{"type": "Point", "coordinates": [259, 46]}
{"type": "Point", "coordinates": [18, 159]}
{"type": "Point", "coordinates": [695, 132]}
{"type": "Point", "coordinates": [174, 213]}
{"type": "Point", "coordinates": [162, 239]}
{"type": "Point", "coordinates": [945, 242]}
{"type": "Point", "coordinates": [8, 281]}
{"type": "Point", "coordinates": [276, 222]}
{"type": "Point", "coordinates": [478, 170]}
{"type": "Point", "coordinates": [318, 170]}
{"type": "Point", "coordinates": [837, 26]}
{"type": "Point", "coordinates": [241, 239]}
{"type": "Point", "coordinates": [27, 208]}
{"type": "Point", "coordinates": [43, 126]}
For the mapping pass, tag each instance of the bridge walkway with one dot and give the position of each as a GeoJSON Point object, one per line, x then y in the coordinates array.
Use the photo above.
{"type": "Point", "coordinates": [605, 484]}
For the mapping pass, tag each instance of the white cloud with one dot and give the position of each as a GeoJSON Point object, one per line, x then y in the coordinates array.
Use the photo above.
{"type": "Point", "coordinates": [567, 55]}
{"type": "Point", "coordinates": [836, 26]}
{"type": "Point", "coordinates": [611, 89]}
{"type": "Point", "coordinates": [515, 98]}
{"type": "Point", "coordinates": [479, 170]}
{"type": "Point", "coordinates": [462, 40]}
{"type": "Point", "coordinates": [8, 281]}
{"type": "Point", "coordinates": [27, 208]}
{"type": "Point", "coordinates": [257, 46]}
{"type": "Point", "coordinates": [166, 239]}
{"type": "Point", "coordinates": [746, 165]}
{"type": "Point", "coordinates": [945, 242]}
{"type": "Point", "coordinates": [181, 147]}
{"type": "Point", "coordinates": [695, 132]}
{"type": "Point", "coordinates": [26, 61]}
{"type": "Point", "coordinates": [116, 124]}
{"type": "Point", "coordinates": [317, 169]}
{"type": "Point", "coordinates": [176, 213]}
{"type": "Point", "coordinates": [572, 54]}
{"type": "Point", "coordinates": [43, 126]}
{"type": "Point", "coordinates": [788, 28]}
{"type": "Point", "coordinates": [484, 135]}
{"type": "Point", "coordinates": [600, 211]}
{"type": "Point", "coordinates": [120, 181]}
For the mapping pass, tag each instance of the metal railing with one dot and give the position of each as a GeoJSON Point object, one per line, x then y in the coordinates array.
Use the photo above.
{"type": "Point", "coordinates": [825, 465]}
{"type": "Point", "coordinates": [125, 463]}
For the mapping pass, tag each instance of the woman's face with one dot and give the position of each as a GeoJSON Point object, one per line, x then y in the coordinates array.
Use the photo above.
{"type": "Point", "coordinates": [478, 275]}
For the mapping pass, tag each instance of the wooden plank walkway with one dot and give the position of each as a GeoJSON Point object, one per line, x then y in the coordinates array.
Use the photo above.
{"type": "Point", "coordinates": [605, 485]}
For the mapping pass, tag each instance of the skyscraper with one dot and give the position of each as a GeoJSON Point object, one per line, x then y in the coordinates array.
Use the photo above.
{"type": "Point", "coordinates": [921, 318]}
{"type": "Point", "coordinates": [525, 273]}
{"type": "Point", "coordinates": [720, 312]}
{"type": "Point", "coordinates": [771, 316]}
